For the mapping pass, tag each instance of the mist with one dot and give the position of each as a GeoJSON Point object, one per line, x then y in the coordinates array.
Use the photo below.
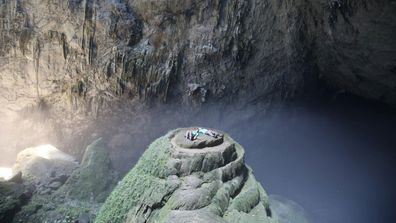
{"type": "Point", "coordinates": [336, 160]}
{"type": "Point", "coordinates": [333, 157]}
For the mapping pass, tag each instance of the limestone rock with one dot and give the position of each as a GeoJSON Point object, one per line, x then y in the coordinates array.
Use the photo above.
{"type": "Point", "coordinates": [202, 142]}
{"type": "Point", "coordinates": [98, 51]}
{"type": "Point", "coordinates": [95, 179]}
{"type": "Point", "coordinates": [171, 183]}
{"type": "Point", "coordinates": [355, 46]}
{"type": "Point", "coordinates": [43, 165]}
{"type": "Point", "coordinates": [67, 194]}
{"type": "Point", "coordinates": [97, 56]}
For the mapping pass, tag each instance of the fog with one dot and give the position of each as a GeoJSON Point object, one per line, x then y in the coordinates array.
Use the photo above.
{"type": "Point", "coordinates": [336, 160]}
{"type": "Point", "coordinates": [334, 157]}
{"type": "Point", "coordinates": [19, 133]}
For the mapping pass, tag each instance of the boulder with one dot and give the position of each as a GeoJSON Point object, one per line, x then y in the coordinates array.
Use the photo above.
{"type": "Point", "coordinates": [171, 183]}
{"type": "Point", "coordinates": [95, 179]}
{"type": "Point", "coordinates": [43, 165]}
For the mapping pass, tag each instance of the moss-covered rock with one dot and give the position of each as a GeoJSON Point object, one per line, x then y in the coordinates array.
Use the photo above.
{"type": "Point", "coordinates": [80, 197]}
{"type": "Point", "coordinates": [55, 209]}
{"type": "Point", "coordinates": [12, 197]}
{"type": "Point", "coordinates": [174, 184]}
{"type": "Point", "coordinates": [95, 179]}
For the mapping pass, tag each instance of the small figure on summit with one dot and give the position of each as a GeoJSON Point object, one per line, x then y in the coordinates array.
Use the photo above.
{"type": "Point", "coordinates": [193, 134]}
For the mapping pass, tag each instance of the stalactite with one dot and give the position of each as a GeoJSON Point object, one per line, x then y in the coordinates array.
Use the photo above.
{"type": "Point", "coordinates": [36, 61]}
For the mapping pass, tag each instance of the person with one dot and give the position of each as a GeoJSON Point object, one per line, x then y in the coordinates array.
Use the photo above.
{"type": "Point", "coordinates": [193, 134]}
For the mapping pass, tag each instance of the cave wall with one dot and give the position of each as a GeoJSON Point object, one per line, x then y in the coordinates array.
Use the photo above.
{"type": "Point", "coordinates": [84, 56]}
{"type": "Point", "coordinates": [356, 47]}
{"type": "Point", "coordinates": [64, 53]}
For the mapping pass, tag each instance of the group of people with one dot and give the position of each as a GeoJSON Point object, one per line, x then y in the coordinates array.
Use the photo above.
{"type": "Point", "coordinates": [194, 134]}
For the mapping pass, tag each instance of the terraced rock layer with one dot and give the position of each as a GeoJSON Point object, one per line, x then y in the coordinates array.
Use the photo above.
{"type": "Point", "coordinates": [171, 183]}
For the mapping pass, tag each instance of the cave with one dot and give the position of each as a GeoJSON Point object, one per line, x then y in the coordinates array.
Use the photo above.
{"type": "Point", "coordinates": [146, 111]}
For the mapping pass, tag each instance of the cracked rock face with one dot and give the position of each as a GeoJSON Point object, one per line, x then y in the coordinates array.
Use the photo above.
{"type": "Point", "coordinates": [171, 183]}
{"type": "Point", "coordinates": [82, 56]}
{"type": "Point", "coordinates": [356, 46]}
{"type": "Point", "coordinates": [83, 60]}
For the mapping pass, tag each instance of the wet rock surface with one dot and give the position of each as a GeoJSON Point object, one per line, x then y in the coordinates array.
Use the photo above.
{"type": "Point", "coordinates": [176, 184]}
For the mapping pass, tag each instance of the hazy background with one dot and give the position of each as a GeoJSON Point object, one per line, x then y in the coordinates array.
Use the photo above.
{"type": "Point", "coordinates": [335, 157]}
{"type": "Point", "coordinates": [336, 160]}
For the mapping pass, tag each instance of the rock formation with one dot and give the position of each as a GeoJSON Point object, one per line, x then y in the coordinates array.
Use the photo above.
{"type": "Point", "coordinates": [101, 57]}
{"type": "Point", "coordinates": [52, 187]}
{"type": "Point", "coordinates": [82, 56]}
{"type": "Point", "coordinates": [44, 166]}
{"type": "Point", "coordinates": [95, 179]}
{"type": "Point", "coordinates": [355, 46]}
{"type": "Point", "coordinates": [177, 180]}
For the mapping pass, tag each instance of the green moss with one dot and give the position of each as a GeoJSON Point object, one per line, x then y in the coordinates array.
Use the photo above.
{"type": "Point", "coordinates": [56, 209]}
{"type": "Point", "coordinates": [69, 213]}
{"type": "Point", "coordinates": [152, 192]}
{"type": "Point", "coordinates": [95, 179]}
{"type": "Point", "coordinates": [11, 200]}
{"type": "Point", "coordinates": [6, 188]}
{"type": "Point", "coordinates": [147, 180]}
{"type": "Point", "coordinates": [248, 198]}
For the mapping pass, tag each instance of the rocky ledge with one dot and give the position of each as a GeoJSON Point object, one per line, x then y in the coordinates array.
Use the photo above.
{"type": "Point", "coordinates": [178, 180]}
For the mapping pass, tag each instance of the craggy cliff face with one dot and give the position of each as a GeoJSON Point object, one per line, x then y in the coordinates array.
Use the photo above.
{"type": "Point", "coordinates": [356, 47]}
{"type": "Point", "coordinates": [82, 56]}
